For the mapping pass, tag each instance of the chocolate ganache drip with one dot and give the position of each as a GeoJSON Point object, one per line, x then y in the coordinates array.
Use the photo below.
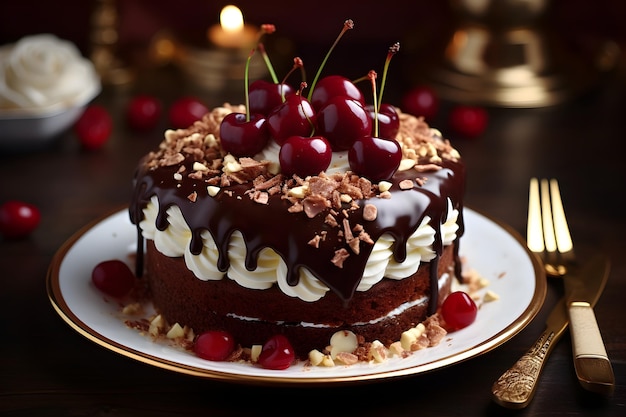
{"type": "Point", "coordinates": [271, 224]}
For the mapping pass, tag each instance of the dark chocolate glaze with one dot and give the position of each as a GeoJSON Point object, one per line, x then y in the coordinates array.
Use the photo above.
{"type": "Point", "coordinates": [271, 225]}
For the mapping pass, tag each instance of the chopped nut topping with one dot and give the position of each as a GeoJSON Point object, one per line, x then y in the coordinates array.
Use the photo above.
{"type": "Point", "coordinates": [174, 159]}
{"type": "Point", "coordinates": [314, 205]}
{"type": "Point", "coordinates": [406, 164]}
{"type": "Point", "coordinates": [491, 296]}
{"type": "Point", "coordinates": [212, 190]}
{"type": "Point", "coordinates": [340, 256]}
{"type": "Point", "coordinates": [260, 197]}
{"type": "Point", "coordinates": [315, 242]}
{"type": "Point", "coordinates": [406, 184]}
{"type": "Point", "coordinates": [370, 212]}
{"type": "Point", "coordinates": [347, 358]}
{"type": "Point", "coordinates": [427, 167]}
{"type": "Point", "coordinates": [384, 186]}
{"type": "Point", "coordinates": [198, 166]}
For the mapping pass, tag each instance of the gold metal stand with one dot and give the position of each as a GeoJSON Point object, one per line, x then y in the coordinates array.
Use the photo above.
{"type": "Point", "coordinates": [104, 39]}
{"type": "Point", "coordinates": [216, 69]}
{"type": "Point", "coordinates": [500, 55]}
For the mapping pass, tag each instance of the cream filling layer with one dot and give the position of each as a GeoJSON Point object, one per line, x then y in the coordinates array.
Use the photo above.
{"type": "Point", "coordinates": [393, 313]}
{"type": "Point", "coordinates": [175, 241]}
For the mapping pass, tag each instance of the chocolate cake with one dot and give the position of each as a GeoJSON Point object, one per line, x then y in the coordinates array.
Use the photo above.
{"type": "Point", "coordinates": [232, 243]}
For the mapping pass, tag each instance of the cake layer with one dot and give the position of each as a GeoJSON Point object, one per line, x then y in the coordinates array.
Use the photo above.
{"type": "Point", "coordinates": [382, 313]}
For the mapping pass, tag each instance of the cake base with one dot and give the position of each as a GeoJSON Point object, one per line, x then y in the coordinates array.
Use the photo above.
{"type": "Point", "coordinates": [253, 316]}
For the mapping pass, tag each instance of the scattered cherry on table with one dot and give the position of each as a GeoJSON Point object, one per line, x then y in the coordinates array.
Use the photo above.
{"type": "Point", "coordinates": [467, 120]}
{"type": "Point", "coordinates": [18, 219]}
{"type": "Point", "coordinates": [421, 101]}
{"type": "Point", "coordinates": [143, 112]}
{"type": "Point", "coordinates": [185, 111]}
{"type": "Point", "coordinates": [94, 127]}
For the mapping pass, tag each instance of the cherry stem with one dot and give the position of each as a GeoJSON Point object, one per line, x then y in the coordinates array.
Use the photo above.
{"type": "Point", "coordinates": [358, 80]}
{"type": "Point", "coordinates": [246, 80]}
{"type": "Point", "coordinates": [268, 63]}
{"type": "Point", "coordinates": [393, 49]}
{"type": "Point", "coordinates": [347, 25]}
{"type": "Point", "coordinates": [266, 28]}
{"type": "Point", "coordinates": [372, 76]}
{"type": "Point", "coordinates": [297, 63]}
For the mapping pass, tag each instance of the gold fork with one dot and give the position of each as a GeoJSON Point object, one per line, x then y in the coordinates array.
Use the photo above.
{"type": "Point", "coordinates": [593, 368]}
{"type": "Point", "coordinates": [548, 234]}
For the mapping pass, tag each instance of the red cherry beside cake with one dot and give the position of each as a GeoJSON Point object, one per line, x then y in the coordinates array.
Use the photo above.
{"type": "Point", "coordinates": [18, 219]}
{"type": "Point", "coordinates": [324, 226]}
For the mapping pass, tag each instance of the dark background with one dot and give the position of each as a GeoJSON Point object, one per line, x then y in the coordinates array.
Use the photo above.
{"type": "Point", "coordinates": [422, 26]}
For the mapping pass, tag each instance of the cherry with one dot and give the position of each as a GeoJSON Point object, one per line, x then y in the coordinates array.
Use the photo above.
{"type": "Point", "coordinates": [264, 96]}
{"type": "Point", "coordinates": [94, 127]}
{"type": "Point", "coordinates": [185, 111]}
{"type": "Point", "coordinates": [342, 121]}
{"type": "Point", "coordinates": [332, 86]}
{"type": "Point", "coordinates": [371, 156]}
{"type": "Point", "coordinates": [214, 345]}
{"type": "Point", "coordinates": [143, 112]}
{"type": "Point", "coordinates": [421, 101]}
{"type": "Point", "coordinates": [294, 117]}
{"type": "Point", "coordinates": [388, 120]}
{"type": "Point", "coordinates": [277, 353]}
{"type": "Point", "coordinates": [469, 121]}
{"type": "Point", "coordinates": [459, 310]}
{"type": "Point", "coordinates": [18, 219]}
{"type": "Point", "coordinates": [242, 136]}
{"type": "Point", "coordinates": [305, 156]}
{"type": "Point", "coordinates": [375, 158]}
{"type": "Point", "coordinates": [113, 278]}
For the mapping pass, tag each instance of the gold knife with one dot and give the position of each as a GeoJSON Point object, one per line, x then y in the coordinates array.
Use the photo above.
{"type": "Point", "coordinates": [516, 387]}
{"type": "Point", "coordinates": [592, 364]}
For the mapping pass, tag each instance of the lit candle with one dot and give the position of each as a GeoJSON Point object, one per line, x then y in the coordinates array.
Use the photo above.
{"type": "Point", "coordinates": [232, 32]}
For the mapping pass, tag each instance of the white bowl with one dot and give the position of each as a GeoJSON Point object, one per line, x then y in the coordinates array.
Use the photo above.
{"type": "Point", "coordinates": [24, 129]}
{"type": "Point", "coordinates": [45, 85]}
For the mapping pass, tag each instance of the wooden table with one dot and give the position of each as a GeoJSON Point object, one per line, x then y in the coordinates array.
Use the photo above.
{"type": "Point", "coordinates": [47, 369]}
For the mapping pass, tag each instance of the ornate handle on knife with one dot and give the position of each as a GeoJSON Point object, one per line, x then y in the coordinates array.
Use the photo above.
{"type": "Point", "coordinates": [516, 387]}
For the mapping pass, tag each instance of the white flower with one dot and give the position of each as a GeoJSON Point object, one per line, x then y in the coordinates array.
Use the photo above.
{"type": "Point", "coordinates": [43, 71]}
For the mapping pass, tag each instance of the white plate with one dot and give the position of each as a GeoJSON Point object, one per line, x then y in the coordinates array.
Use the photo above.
{"type": "Point", "coordinates": [493, 249]}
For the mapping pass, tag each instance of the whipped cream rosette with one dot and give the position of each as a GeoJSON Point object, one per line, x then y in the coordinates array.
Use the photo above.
{"type": "Point", "coordinates": [43, 72]}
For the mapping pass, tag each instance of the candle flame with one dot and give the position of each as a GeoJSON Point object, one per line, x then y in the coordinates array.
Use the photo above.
{"type": "Point", "coordinates": [231, 19]}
